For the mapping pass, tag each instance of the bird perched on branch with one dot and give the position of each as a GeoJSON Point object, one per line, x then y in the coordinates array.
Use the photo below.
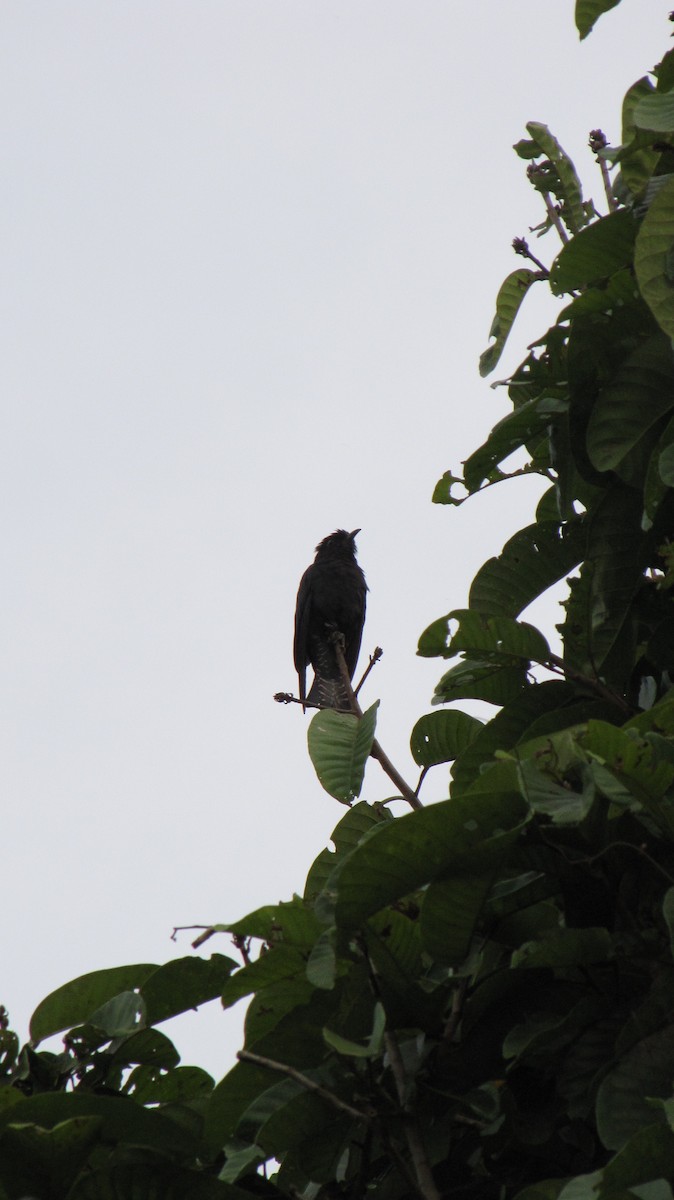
{"type": "Point", "coordinates": [330, 601]}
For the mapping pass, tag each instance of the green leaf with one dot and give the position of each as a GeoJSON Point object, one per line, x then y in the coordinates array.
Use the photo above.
{"type": "Point", "coordinates": [531, 562]}
{"type": "Point", "coordinates": [500, 638]}
{"type": "Point", "coordinates": [322, 963]}
{"type": "Point", "coordinates": [511, 294]}
{"type": "Point", "coordinates": [574, 214]}
{"type": "Point", "coordinates": [280, 963]}
{"type": "Point", "coordinates": [73, 1003]}
{"type": "Point", "coordinates": [648, 1155]}
{"type": "Point", "coordinates": [354, 1049]}
{"type": "Point", "coordinates": [417, 848]}
{"type": "Point", "coordinates": [353, 826]}
{"type": "Point", "coordinates": [148, 1085]}
{"type": "Point", "coordinates": [647, 1070]}
{"type": "Point", "coordinates": [655, 111]}
{"type": "Point", "coordinates": [339, 747]}
{"type": "Point", "coordinates": [595, 253]}
{"type": "Point", "coordinates": [45, 1162]}
{"type": "Point", "coordinates": [566, 948]}
{"type": "Point", "coordinates": [639, 395]}
{"type": "Point", "coordinates": [120, 1120]}
{"type": "Point", "coordinates": [152, 1181]}
{"type": "Point", "coordinates": [668, 913]}
{"type": "Point", "coordinates": [564, 806]}
{"type": "Point", "coordinates": [184, 984]}
{"type": "Point", "coordinates": [526, 423]}
{"type": "Point", "coordinates": [478, 679]}
{"type": "Point", "coordinates": [652, 258]}
{"type": "Point", "coordinates": [659, 475]}
{"type": "Point", "coordinates": [588, 13]}
{"type": "Point", "coordinates": [121, 1016]}
{"type": "Point", "coordinates": [451, 909]}
{"type": "Point", "coordinates": [440, 737]}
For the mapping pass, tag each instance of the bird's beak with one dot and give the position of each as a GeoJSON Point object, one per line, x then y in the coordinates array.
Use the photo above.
{"type": "Point", "coordinates": [353, 534]}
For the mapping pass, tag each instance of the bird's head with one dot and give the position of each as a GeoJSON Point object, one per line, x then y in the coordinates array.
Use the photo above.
{"type": "Point", "coordinates": [338, 544]}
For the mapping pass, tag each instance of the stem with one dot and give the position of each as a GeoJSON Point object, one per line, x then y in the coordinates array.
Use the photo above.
{"type": "Point", "coordinates": [555, 219]}
{"type": "Point", "coordinates": [557, 664]}
{"type": "Point", "coordinates": [376, 751]}
{"type": "Point", "coordinates": [521, 247]}
{"type": "Point", "coordinates": [310, 1085]}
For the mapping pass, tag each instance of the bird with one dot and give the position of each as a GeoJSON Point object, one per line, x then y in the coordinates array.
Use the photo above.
{"type": "Point", "coordinates": [330, 600]}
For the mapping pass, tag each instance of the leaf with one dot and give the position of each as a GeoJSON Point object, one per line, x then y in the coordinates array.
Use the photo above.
{"type": "Point", "coordinates": [434, 641]}
{"type": "Point", "coordinates": [564, 806]}
{"type": "Point", "coordinates": [513, 431]}
{"type": "Point", "coordinates": [339, 747]}
{"type": "Point", "coordinates": [148, 1085]}
{"type": "Point", "coordinates": [595, 253]}
{"type": "Point", "coordinates": [565, 948]}
{"type": "Point", "coordinates": [152, 1181]}
{"type": "Point", "coordinates": [353, 826]}
{"type": "Point", "coordinates": [354, 1049]}
{"type": "Point", "coordinates": [588, 13]}
{"type": "Point", "coordinates": [659, 475]}
{"type": "Point", "coordinates": [121, 1016]}
{"type": "Point", "coordinates": [648, 1155]}
{"type": "Point", "coordinates": [120, 1120]}
{"type": "Point", "coordinates": [668, 913]}
{"type": "Point", "coordinates": [531, 562]}
{"type": "Point", "coordinates": [574, 214]}
{"type": "Point", "coordinates": [652, 258]}
{"type": "Point", "coordinates": [502, 638]}
{"type": "Point", "coordinates": [638, 396]}
{"type": "Point", "coordinates": [280, 963]}
{"type": "Point", "coordinates": [417, 848]}
{"type": "Point", "coordinates": [451, 909]}
{"type": "Point", "coordinates": [510, 296]}
{"type": "Point", "coordinates": [647, 1070]}
{"type": "Point", "coordinates": [479, 679]}
{"type": "Point", "coordinates": [440, 737]}
{"type": "Point", "coordinates": [616, 553]}
{"type": "Point", "coordinates": [73, 1003]}
{"type": "Point", "coordinates": [45, 1162]}
{"type": "Point", "coordinates": [655, 111]}
{"type": "Point", "coordinates": [184, 984]}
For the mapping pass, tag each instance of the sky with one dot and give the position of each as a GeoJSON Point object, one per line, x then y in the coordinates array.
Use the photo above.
{"type": "Point", "coordinates": [250, 256]}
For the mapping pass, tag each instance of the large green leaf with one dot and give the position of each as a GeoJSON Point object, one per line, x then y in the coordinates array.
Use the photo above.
{"type": "Point", "coordinates": [339, 747]}
{"type": "Point", "coordinates": [648, 1155]}
{"type": "Point", "coordinates": [184, 984]}
{"type": "Point", "coordinates": [659, 475]}
{"type": "Point", "coordinates": [653, 259]}
{"type": "Point", "coordinates": [479, 679]}
{"type": "Point", "coordinates": [451, 908]}
{"type": "Point", "coordinates": [534, 559]}
{"type": "Point", "coordinates": [120, 1120]}
{"type": "Point", "coordinates": [45, 1162]}
{"type": "Point", "coordinates": [639, 395]}
{"type": "Point", "coordinates": [655, 111]}
{"type": "Point", "coordinates": [646, 1071]}
{"type": "Point", "coordinates": [408, 853]}
{"type": "Point", "coordinates": [74, 1002]}
{"type": "Point", "coordinates": [617, 552]}
{"type": "Point", "coordinates": [588, 13]}
{"type": "Point", "coordinates": [565, 948]}
{"type": "Point", "coordinates": [353, 826]}
{"type": "Point", "coordinates": [500, 638]}
{"type": "Point", "coordinates": [594, 253]}
{"type": "Point", "coordinates": [526, 423]}
{"type": "Point", "coordinates": [440, 737]}
{"type": "Point", "coordinates": [511, 294]}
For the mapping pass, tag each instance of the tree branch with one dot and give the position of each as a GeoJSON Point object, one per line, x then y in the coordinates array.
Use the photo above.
{"type": "Point", "coordinates": [310, 1084]}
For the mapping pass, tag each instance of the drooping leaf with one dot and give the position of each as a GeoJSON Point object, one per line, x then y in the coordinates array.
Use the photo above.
{"type": "Point", "coordinates": [511, 294]}
{"type": "Point", "coordinates": [588, 13]}
{"type": "Point", "coordinates": [574, 212]}
{"type": "Point", "coordinates": [339, 746]}
{"type": "Point", "coordinates": [73, 1003]}
{"type": "Point", "coordinates": [652, 258]}
{"type": "Point", "coordinates": [440, 737]}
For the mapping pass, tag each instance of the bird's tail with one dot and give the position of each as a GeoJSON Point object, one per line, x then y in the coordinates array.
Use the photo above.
{"type": "Point", "coordinates": [328, 689]}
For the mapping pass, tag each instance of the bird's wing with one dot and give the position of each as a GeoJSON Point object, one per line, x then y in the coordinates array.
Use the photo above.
{"type": "Point", "coordinates": [302, 621]}
{"type": "Point", "coordinates": [353, 644]}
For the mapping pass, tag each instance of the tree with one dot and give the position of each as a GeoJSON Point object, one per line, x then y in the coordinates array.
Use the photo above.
{"type": "Point", "coordinates": [473, 999]}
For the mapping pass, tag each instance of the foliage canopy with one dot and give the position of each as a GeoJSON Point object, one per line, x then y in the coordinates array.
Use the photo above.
{"type": "Point", "coordinates": [474, 999]}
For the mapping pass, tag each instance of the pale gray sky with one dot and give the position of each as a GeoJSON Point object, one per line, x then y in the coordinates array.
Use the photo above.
{"type": "Point", "coordinates": [250, 255]}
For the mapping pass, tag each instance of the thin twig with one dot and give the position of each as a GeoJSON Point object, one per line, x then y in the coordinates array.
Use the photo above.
{"type": "Point", "coordinates": [521, 247]}
{"type": "Point", "coordinates": [599, 142]}
{"type": "Point", "coordinates": [376, 751]}
{"type": "Point", "coordinates": [374, 659]}
{"type": "Point", "coordinates": [209, 931]}
{"type": "Point", "coordinates": [310, 1085]}
{"type": "Point", "coordinates": [557, 664]}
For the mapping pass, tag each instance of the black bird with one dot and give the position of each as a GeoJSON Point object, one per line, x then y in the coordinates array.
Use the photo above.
{"type": "Point", "coordinates": [330, 598]}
